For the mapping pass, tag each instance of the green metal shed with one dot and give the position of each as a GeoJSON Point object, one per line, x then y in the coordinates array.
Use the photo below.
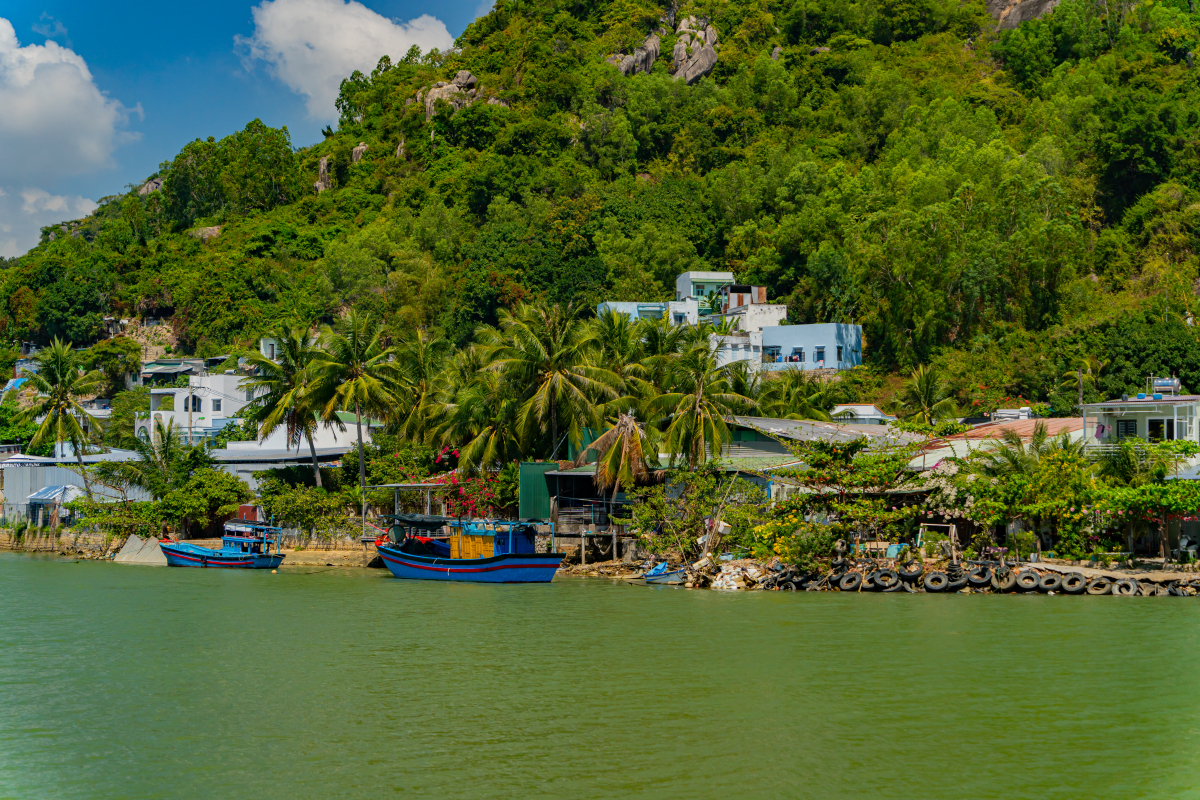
{"type": "Point", "coordinates": [535, 496]}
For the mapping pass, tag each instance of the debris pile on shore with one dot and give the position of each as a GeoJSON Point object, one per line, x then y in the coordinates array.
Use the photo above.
{"type": "Point", "coordinates": [935, 577]}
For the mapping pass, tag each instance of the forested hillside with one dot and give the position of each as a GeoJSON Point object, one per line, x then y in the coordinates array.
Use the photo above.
{"type": "Point", "coordinates": [1003, 205]}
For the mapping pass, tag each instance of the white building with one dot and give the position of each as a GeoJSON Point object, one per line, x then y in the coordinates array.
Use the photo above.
{"type": "Point", "coordinates": [700, 285]}
{"type": "Point", "coordinates": [679, 312]}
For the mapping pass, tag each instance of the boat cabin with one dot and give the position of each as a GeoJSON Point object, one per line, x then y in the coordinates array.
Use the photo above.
{"type": "Point", "coordinates": [241, 536]}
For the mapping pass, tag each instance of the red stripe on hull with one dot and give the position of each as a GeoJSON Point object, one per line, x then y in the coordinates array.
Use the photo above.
{"type": "Point", "coordinates": [439, 568]}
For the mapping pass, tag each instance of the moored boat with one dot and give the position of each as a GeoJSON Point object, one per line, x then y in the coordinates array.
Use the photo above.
{"type": "Point", "coordinates": [244, 545]}
{"type": "Point", "coordinates": [663, 574]}
{"type": "Point", "coordinates": [480, 552]}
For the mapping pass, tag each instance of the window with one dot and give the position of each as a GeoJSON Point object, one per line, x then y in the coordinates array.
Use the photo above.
{"type": "Point", "coordinates": [820, 354]}
{"type": "Point", "coordinates": [271, 348]}
{"type": "Point", "coordinates": [839, 352]}
{"type": "Point", "coordinates": [216, 406]}
{"type": "Point", "coordinates": [1126, 428]}
{"type": "Point", "coordinates": [1160, 429]}
{"type": "Point", "coordinates": [195, 403]}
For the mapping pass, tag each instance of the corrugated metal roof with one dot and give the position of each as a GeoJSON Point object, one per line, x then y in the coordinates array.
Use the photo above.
{"type": "Point", "coordinates": [54, 494]}
{"type": "Point", "coordinates": [1022, 427]}
{"type": "Point", "coordinates": [813, 430]}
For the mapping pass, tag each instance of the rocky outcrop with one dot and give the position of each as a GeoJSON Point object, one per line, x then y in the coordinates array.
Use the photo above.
{"type": "Point", "coordinates": [400, 151]}
{"type": "Point", "coordinates": [1011, 13]}
{"type": "Point", "coordinates": [496, 101]}
{"type": "Point", "coordinates": [150, 186]}
{"type": "Point", "coordinates": [816, 51]}
{"type": "Point", "coordinates": [458, 93]}
{"type": "Point", "coordinates": [695, 52]}
{"type": "Point", "coordinates": [776, 53]}
{"type": "Point", "coordinates": [357, 153]}
{"type": "Point", "coordinates": [640, 60]}
{"type": "Point", "coordinates": [323, 180]}
{"type": "Point", "coordinates": [204, 234]}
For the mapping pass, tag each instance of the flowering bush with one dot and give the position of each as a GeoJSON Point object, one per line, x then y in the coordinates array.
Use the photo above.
{"type": "Point", "coordinates": [792, 540]}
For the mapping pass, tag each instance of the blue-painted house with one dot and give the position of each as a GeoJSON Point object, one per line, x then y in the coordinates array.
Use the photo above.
{"type": "Point", "coordinates": [830, 345]}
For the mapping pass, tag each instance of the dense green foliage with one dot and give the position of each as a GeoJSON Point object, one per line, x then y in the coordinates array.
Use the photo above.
{"type": "Point", "coordinates": [1000, 204]}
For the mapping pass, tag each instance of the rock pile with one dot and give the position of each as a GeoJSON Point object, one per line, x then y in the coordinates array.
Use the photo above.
{"type": "Point", "coordinates": [695, 52]}
{"type": "Point", "coordinates": [323, 180]}
{"type": "Point", "coordinates": [458, 93]}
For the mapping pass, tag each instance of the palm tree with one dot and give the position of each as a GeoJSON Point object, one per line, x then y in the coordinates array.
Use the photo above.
{"type": "Point", "coordinates": [545, 348]}
{"type": "Point", "coordinates": [795, 394]}
{"type": "Point", "coordinates": [925, 397]}
{"type": "Point", "coordinates": [622, 454]}
{"type": "Point", "coordinates": [164, 461]}
{"type": "Point", "coordinates": [695, 411]}
{"type": "Point", "coordinates": [1087, 371]}
{"type": "Point", "coordinates": [619, 340]}
{"type": "Point", "coordinates": [483, 422]}
{"type": "Point", "coordinates": [354, 370]}
{"type": "Point", "coordinates": [421, 360]}
{"type": "Point", "coordinates": [61, 382]}
{"type": "Point", "coordinates": [282, 391]}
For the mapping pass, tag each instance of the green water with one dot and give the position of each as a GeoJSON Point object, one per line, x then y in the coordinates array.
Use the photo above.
{"type": "Point", "coordinates": [140, 682]}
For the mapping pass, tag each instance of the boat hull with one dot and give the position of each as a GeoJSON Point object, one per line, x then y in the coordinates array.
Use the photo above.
{"type": "Point", "coordinates": [508, 568]}
{"type": "Point", "coordinates": [668, 578]}
{"type": "Point", "coordinates": [183, 555]}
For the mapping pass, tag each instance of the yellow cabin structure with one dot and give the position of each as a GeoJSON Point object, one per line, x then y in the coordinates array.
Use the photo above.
{"type": "Point", "coordinates": [472, 545]}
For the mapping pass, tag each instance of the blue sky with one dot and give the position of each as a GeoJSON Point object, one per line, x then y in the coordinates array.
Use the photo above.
{"type": "Point", "coordinates": [101, 93]}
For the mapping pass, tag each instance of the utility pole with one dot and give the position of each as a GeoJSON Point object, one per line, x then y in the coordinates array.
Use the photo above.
{"type": "Point", "coordinates": [189, 402]}
{"type": "Point", "coordinates": [1081, 387]}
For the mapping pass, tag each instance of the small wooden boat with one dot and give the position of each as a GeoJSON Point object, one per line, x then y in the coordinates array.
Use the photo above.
{"type": "Point", "coordinates": [481, 552]}
{"type": "Point", "coordinates": [663, 574]}
{"type": "Point", "coordinates": [244, 545]}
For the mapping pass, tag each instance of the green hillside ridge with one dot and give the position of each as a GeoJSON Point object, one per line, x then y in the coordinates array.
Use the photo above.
{"type": "Point", "coordinates": [1002, 205]}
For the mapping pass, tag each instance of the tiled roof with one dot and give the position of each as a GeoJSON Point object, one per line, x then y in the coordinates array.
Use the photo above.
{"type": "Point", "coordinates": [1022, 427]}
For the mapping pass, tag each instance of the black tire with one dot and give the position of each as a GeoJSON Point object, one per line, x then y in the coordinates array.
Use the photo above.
{"type": "Point", "coordinates": [838, 563]}
{"type": "Point", "coordinates": [957, 585]}
{"type": "Point", "coordinates": [911, 571]}
{"type": "Point", "coordinates": [935, 582]}
{"type": "Point", "coordinates": [1074, 583]}
{"type": "Point", "coordinates": [898, 586]}
{"type": "Point", "coordinates": [908, 587]}
{"type": "Point", "coordinates": [868, 583]}
{"type": "Point", "coordinates": [1005, 581]}
{"type": "Point", "coordinates": [1099, 586]}
{"type": "Point", "coordinates": [1027, 580]}
{"type": "Point", "coordinates": [1125, 587]}
{"type": "Point", "coordinates": [850, 581]}
{"type": "Point", "coordinates": [1176, 591]}
{"type": "Point", "coordinates": [787, 586]}
{"type": "Point", "coordinates": [1147, 589]}
{"type": "Point", "coordinates": [980, 577]}
{"type": "Point", "coordinates": [1050, 583]}
{"type": "Point", "coordinates": [886, 579]}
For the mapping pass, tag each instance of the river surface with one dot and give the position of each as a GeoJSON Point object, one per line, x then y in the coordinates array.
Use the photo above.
{"type": "Point", "coordinates": [141, 682]}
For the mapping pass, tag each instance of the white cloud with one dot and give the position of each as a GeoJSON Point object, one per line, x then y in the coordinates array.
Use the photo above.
{"type": "Point", "coordinates": [311, 45]}
{"type": "Point", "coordinates": [55, 120]}
{"type": "Point", "coordinates": [28, 211]}
{"type": "Point", "coordinates": [54, 123]}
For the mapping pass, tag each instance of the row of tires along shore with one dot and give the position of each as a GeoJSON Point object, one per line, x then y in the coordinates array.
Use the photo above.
{"type": "Point", "coordinates": [912, 577]}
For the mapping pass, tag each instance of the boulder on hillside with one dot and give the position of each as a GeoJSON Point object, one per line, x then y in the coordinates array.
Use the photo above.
{"type": "Point", "coordinates": [776, 53]}
{"type": "Point", "coordinates": [152, 185]}
{"type": "Point", "coordinates": [698, 55]}
{"type": "Point", "coordinates": [465, 80]}
{"type": "Point", "coordinates": [449, 92]}
{"type": "Point", "coordinates": [496, 101]}
{"type": "Point", "coordinates": [816, 51]}
{"type": "Point", "coordinates": [357, 153]}
{"type": "Point", "coordinates": [400, 151]}
{"type": "Point", "coordinates": [323, 180]}
{"type": "Point", "coordinates": [1011, 13]}
{"type": "Point", "coordinates": [204, 234]}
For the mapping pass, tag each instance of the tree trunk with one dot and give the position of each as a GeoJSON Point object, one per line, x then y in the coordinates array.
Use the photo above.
{"type": "Point", "coordinates": [316, 465]}
{"type": "Point", "coordinates": [362, 462]}
{"type": "Point", "coordinates": [553, 429]}
{"type": "Point", "coordinates": [362, 466]}
{"type": "Point", "coordinates": [87, 485]}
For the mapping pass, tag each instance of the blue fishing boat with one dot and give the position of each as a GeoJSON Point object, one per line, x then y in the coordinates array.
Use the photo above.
{"type": "Point", "coordinates": [244, 545]}
{"type": "Point", "coordinates": [663, 574]}
{"type": "Point", "coordinates": [479, 552]}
